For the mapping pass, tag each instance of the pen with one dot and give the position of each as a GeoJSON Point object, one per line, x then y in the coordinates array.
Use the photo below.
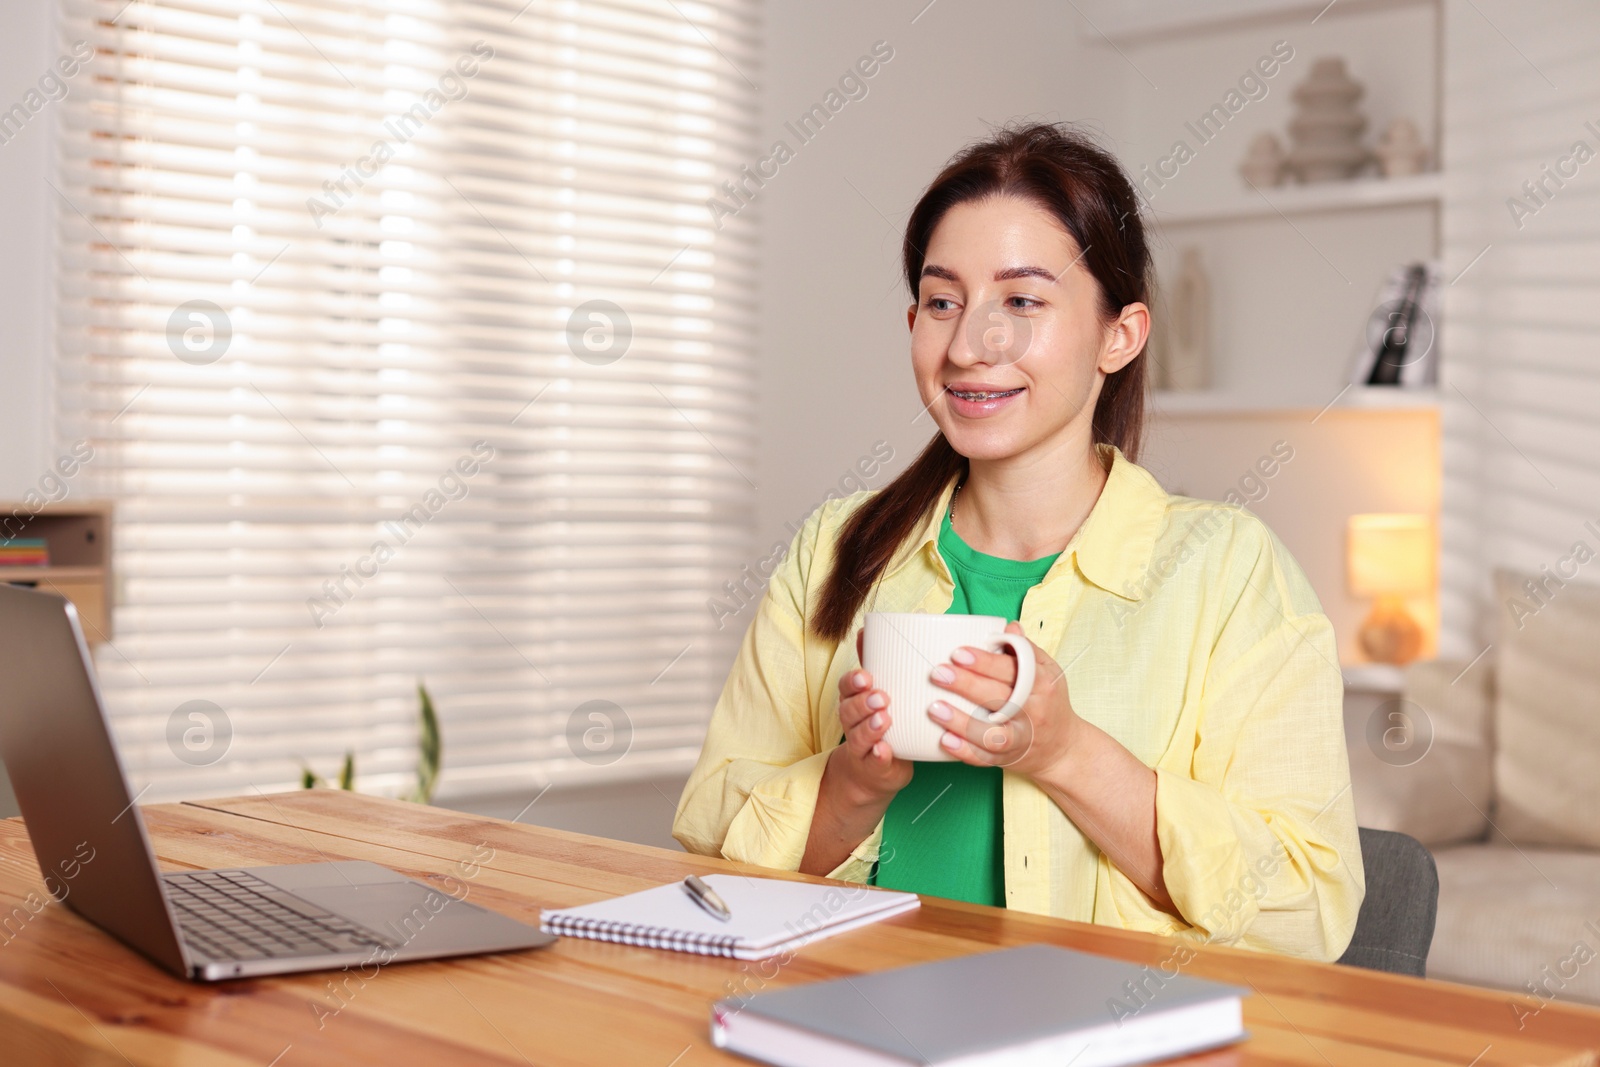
{"type": "Point", "coordinates": [707, 898]}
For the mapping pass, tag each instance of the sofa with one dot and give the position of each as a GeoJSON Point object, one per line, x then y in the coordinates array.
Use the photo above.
{"type": "Point", "coordinates": [1494, 764]}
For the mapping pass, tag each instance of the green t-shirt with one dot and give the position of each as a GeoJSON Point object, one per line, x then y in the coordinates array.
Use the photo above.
{"type": "Point", "coordinates": [943, 833]}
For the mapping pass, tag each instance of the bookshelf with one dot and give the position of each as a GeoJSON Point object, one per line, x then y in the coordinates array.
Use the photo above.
{"type": "Point", "coordinates": [1295, 270]}
{"type": "Point", "coordinates": [78, 536]}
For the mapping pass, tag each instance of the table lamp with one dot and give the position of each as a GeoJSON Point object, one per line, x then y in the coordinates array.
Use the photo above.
{"type": "Point", "coordinates": [1390, 557]}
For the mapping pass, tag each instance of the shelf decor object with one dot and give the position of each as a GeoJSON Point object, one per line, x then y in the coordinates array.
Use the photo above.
{"type": "Point", "coordinates": [1159, 342]}
{"type": "Point", "coordinates": [1400, 150]}
{"type": "Point", "coordinates": [62, 548]}
{"type": "Point", "coordinates": [1188, 354]}
{"type": "Point", "coordinates": [1326, 129]}
{"type": "Point", "coordinates": [1263, 165]}
{"type": "Point", "coordinates": [1390, 557]}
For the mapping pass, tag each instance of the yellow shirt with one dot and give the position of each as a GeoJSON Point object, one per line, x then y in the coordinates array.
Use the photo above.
{"type": "Point", "coordinates": [1187, 632]}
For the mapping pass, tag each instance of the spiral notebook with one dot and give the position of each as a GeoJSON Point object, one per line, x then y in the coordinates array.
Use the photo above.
{"type": "Point", "coordinates": [770, 915]}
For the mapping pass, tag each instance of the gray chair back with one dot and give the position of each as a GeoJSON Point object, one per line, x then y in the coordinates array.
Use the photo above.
{"type": "Point", "coordinates": [1395, 927]}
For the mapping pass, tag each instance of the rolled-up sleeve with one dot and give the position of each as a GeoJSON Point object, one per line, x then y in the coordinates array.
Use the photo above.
{"type": "Point", "coordinates": [752, 793]}
{"type": "Point", "coordinates": [1258, 833]}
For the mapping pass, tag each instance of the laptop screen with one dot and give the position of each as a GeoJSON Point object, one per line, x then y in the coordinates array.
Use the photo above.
{"type": "Point", "coordinates": [86, 830]}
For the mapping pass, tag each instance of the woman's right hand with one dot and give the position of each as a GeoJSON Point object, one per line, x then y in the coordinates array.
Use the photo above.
{"type": "Point", "coordinates": [861, 778]}
{"type": "Point", "coordinates": [865, 764]}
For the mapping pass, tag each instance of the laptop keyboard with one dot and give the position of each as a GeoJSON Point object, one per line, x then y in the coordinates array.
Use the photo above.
{"type": "Point", "coordinates": [231, 915]}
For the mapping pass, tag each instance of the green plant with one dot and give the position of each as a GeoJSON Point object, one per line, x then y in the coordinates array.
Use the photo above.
{"type": "Point", "coordinates": [430, 754]}
{"type": "Point", "coordinates": [310, 779]}
{"type": "Point", "coordinates": [430, 749]}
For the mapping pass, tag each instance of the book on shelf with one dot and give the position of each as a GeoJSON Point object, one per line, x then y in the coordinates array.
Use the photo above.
{"type": "Point", "coordinates": [1400, 345]}
{"type": "Point", "coordinates": [24, 552]}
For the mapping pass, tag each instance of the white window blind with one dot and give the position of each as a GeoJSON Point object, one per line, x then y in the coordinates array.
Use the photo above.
{"type": "Point", "coordinates": [328, 283]}
{"type": "Point", "coordinates": [1520, 378]}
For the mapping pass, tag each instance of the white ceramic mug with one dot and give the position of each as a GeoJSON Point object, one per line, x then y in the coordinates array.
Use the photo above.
{"type": "Point", "coordinates": [900, 651]}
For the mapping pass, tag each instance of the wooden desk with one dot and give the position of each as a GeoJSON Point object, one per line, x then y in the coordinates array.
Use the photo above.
{"type": "Point", "coordinates": [71, 994]}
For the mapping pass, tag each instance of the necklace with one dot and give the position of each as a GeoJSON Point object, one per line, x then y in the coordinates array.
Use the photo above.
{"type": "Point", "coordinates": [953, 501]}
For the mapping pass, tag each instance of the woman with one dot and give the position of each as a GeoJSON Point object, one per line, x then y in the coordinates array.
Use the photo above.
{"type": "Point", "coordinates": [1179, 765]}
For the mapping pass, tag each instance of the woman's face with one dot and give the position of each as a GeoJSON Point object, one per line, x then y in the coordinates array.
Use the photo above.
{"type": "Point", "coordinates": [1008, 343]}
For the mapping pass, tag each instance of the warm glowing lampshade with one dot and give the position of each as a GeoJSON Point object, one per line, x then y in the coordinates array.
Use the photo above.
{"type": "Point", "coordinates": [1390, 557]}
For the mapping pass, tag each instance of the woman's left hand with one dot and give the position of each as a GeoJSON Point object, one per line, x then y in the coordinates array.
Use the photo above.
{"type": "Point", "coordinates": [1035, 741]}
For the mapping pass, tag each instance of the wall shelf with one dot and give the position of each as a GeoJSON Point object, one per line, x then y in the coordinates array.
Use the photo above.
{"type": "Point", "coordinates": [1373, 677]}
{"type": "Point", "coordinates": [54, 574]}
{"type": "Point", "coordinates": [1233, 402]}
{"type": "Point", "coordinates": [1355, 195]}
{"type": "Point", "coordinates": [79, 541]}
{"type": "Point", "coordinates": [1135, 21]}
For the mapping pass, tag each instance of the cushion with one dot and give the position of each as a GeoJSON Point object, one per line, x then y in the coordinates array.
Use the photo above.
{"type": "Point", "coordinates": [1547, 710]}
{"type": "Point", "coordinates": [1436, 785]}
{"type": "Point", "coordinates": [1508, 917]}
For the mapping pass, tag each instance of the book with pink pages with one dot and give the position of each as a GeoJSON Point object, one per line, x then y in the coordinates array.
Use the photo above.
{"type": "Point", "coordinates": [769, 916]}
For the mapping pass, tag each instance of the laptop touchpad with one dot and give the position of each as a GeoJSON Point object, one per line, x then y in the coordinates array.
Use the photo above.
{"type": "Point", "coordinates": [404, 911]}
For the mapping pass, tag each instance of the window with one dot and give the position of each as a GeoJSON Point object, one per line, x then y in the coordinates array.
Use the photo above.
{"type": "Point", "coordinates": [410, 351]}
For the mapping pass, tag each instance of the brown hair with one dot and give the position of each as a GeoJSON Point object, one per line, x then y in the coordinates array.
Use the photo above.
{"type": "Point", "coordinates": [1064, 171]}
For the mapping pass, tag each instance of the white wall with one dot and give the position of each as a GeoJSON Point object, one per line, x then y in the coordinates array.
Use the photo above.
{"type": "Point", "coordinates": [27, 266]}
{"type": "Point", "coordinates": [1344, 463]}
{"type": "Point", "coordinates": [27, 273]}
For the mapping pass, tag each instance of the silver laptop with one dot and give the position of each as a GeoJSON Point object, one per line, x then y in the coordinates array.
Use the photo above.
{"type": "Point", "coordinates": [206, 925]}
